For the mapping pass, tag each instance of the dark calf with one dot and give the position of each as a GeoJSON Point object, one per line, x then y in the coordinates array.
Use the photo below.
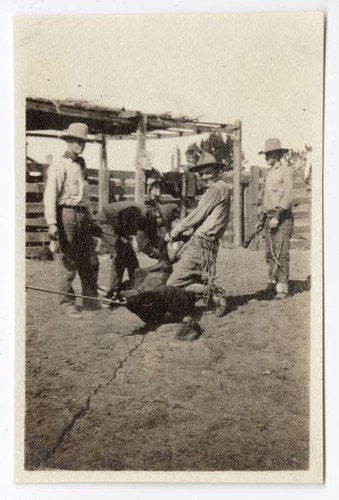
{"type": "Point", "coordinates": [166, 304]}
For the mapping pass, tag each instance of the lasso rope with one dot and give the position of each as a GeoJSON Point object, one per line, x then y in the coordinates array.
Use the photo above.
{"type": "Point", "coordinates": [209, 250]}
{"type": "Point", "coordinates": [275, 257]}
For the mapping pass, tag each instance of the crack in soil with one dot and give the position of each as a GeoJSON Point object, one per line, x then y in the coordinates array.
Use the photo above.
{"type": "Point", "coordinates": [45, 456]}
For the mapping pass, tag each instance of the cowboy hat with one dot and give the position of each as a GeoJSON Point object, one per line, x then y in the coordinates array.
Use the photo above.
{"type": "Point", "coordinates": [271, 145]}
{"type": "Point", "coordinates": [75, 131]}
{"type": "Point", "coordinates": [206, 159]}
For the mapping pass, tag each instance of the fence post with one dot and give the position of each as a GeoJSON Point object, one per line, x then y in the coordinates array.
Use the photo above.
{"type": "Point", "coordinates": [140, 153]}
{"type": "Point", "coordinates": [251, 209]}
{"type": "Point", "coordinates": [178, 158]}
{"type": "Point", "coordinates": [237, 198]}
{"type": "Point", "coordinates": [183, 205]}
{"type": "Point", "coordinates": [103, 175]}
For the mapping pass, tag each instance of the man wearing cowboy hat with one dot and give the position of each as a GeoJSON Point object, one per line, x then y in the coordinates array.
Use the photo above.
{"type": "Point", "coordinates": [277, 212]}
{"type": "Point", "coordinates": [196, 269]}
{"type": "Point", "coordinates": [68, 215]}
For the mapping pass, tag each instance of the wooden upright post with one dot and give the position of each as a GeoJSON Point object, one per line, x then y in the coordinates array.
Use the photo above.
{"type": "Point", "coordinates": [183, 207]}
{"type": "Point", "coordinates": [251, 209]}
{"type": "Point", "coordinates": [103, 176]}
{"type": "Point", "coordinates": [237, 198]}
{"type": "Point", "coordinates": [178, 159]}
{"type": "Point", "coordinates": [140, 179]}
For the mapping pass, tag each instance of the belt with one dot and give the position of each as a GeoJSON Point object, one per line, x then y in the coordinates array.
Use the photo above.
{"type": "Point", "coordinates": [279, 213]}
{"type": "Point", "coordinates": [76, 208]}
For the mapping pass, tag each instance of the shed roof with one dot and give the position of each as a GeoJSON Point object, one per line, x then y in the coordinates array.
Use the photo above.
{"type": "Point", "coordinates": [46, 115]}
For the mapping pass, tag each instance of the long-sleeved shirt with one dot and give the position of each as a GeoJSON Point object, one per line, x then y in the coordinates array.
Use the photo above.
{"type": "Point", "coordinates": [129, 219]}
{"type": "Point", "coordinates": [278, 192]}
{"type": "Point", "coordinates": [211, 216]}
{"type": "Point", "coordinates": [66, 186]}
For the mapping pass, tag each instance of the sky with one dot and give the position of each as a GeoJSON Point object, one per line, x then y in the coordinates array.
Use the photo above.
{"type": "Point", "coordinates": [263, 69]}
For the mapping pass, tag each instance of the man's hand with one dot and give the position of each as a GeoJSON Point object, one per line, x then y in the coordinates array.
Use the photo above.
{"type": "Point", "coordinates": [259, 225]}
{"type": "Point", "coordinates": [273, 223]}
{"type": "Point", "coordinates": [168, 238]}
{"type": "Point", "coordinates": [53, 231]}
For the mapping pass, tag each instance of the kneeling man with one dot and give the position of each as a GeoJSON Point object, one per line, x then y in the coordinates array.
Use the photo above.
{"type": "Point", "coordinates": [196, 269]}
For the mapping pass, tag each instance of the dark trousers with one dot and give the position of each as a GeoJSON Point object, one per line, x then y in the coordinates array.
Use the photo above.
{"type": "Point", "coordinates": [278, 243]}
{"type": "Point", "coordinates": [123, 256]}
{"type": "Point", "coordinates": [77, 253]}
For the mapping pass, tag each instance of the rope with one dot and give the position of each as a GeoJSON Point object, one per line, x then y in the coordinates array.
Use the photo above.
{"type": "Point", "coordinates": [209, 249]}
{"type": "Point", "coordinates": [275, 257]}
{"type": "Point", "coordinates": [57, 292]}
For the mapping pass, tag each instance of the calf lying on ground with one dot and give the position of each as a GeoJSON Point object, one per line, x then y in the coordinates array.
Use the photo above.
{"type": "Point", "coordinates": [166, 304]}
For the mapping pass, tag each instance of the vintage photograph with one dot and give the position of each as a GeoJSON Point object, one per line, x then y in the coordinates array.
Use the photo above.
{"type": "Point", "coordinates": [169, 247]}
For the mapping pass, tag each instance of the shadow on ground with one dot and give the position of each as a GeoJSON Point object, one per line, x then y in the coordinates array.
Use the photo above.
{"type": "Point", "coordinates": [295, 287]}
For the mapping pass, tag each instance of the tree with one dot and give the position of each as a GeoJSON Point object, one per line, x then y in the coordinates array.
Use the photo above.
{"type": "Point", "coordinates": [215, 144]}
{"type": "Point", "coordinates": [296, 158]}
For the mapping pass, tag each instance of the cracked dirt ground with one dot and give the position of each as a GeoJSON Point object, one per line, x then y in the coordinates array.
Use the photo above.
{"type": "Point", "coordinates": [100, 397]}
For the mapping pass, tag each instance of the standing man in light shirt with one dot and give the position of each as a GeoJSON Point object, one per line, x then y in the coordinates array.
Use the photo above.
{"type": "Point", "coordinates": [196, 269]}
{"type": "Point", "coordinates": [277, 212]}
{"type": "Point", "coordinates": [68, 214]}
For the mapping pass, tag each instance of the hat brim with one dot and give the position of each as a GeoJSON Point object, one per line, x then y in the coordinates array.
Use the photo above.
{"type": "Point", "coordinates": [65, 137]}
{"type": "Point", "coordinates": [196, 168]}
{"type": "Point", "coordinates": [282, 150]}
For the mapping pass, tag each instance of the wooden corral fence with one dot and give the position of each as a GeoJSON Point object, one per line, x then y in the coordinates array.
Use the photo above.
{"type": "Point", "coordinates": [252, 184]}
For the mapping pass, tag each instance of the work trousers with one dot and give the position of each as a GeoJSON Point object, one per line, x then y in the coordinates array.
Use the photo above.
{"type": "Point", "coordinates": [188, 271]}
{"type": "Point", "coordinates": [76, 253]}
{"type": "Point", "coordinates": [122, 254]}
{"type": "Point", "coordinates": [278, 251]}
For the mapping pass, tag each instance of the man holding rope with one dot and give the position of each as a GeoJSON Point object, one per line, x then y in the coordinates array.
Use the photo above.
{"type": "Point", "coordinates": [196, 269]}
{"type": "Point", "coordinates": [69, 217]}
{"type": "Point", "coordinates": [277, 212]}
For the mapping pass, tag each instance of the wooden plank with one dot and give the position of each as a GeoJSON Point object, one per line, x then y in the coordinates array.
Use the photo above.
{"type": "Point", "coordinates": [37, 237]}
{"type": "Point", "coordinates": [36, 252]}
{"type": "Point", "coordinates": [117, 174]}
{"type": "Point", "coordinates": [303, 207]}
{"type": "Point", "coordinates": [303, 222]}
{"type": "Point", "coordinates": [304, 232]}
{"type": "Point", "coordinates": [93, 190]}
{"type": "Point", "coordinates": [302, 199]}
{"type": "Point", "coordinates": [36, 222]}
{"type": "Point", "coordinates": [103, 175]}
{"type": "Point", "coordinates": [140, 178]}
{"type": "Point", "coordinates": [237, 198]}
{"type": "Point", "coordinates": [36, 187]}
{"type": "Point", "coordinates": [300, 244]}
{"type": "Point", "coordinates": [301, 215]}
{"type": "Point", "coordinates": [302, 192]}
{"type": "Point", "coordinates": [34, 208]}
{"type": "Point", "coordinates": [251, 209]}
{"type": "Point", "coordinates": [299, 185]}
{"type": "Point", "coordinates": [183, 208]}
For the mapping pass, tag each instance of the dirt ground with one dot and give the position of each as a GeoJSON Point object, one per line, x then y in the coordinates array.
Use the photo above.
{"type": "Point", "coordinates": [101, 396]}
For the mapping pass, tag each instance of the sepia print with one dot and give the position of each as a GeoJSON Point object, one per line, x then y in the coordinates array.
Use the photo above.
{"type": "Point", "coordinates": [169, 247]}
